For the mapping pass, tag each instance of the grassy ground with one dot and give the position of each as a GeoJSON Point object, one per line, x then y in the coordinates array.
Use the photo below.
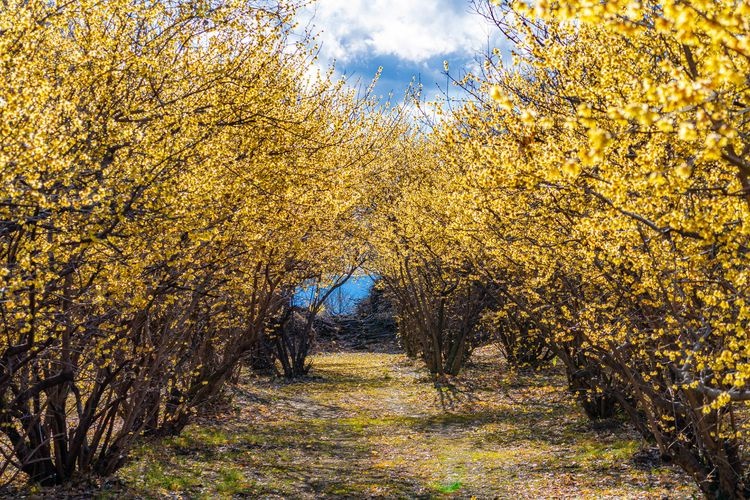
{"type": "Point", "coordinates": [373, 425]}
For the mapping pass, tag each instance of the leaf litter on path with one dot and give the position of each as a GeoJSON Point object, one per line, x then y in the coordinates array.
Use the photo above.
{"type": "Point", "coordinates": [374, 425]}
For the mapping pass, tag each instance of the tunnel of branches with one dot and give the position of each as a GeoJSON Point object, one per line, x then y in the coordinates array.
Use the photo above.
{"type": "Point", "coordinates": [175, 176]}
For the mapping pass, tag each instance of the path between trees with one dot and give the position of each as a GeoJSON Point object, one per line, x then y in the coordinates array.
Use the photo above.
{"type": "Point", "coordinates": [373, 425]}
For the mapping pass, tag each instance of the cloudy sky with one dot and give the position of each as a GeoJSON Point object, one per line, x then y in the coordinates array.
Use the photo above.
{"type": "Point", "coordinates": [408, 38]}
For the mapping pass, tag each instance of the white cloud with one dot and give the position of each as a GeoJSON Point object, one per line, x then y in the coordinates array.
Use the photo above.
{"type": "Point", "coordinates": [412, 30]}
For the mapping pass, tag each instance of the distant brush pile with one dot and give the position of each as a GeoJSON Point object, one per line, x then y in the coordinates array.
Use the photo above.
{"type": "Point", "coordinates": [371, 326]}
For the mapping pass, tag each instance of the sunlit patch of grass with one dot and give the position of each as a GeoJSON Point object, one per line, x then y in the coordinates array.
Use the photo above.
{"type": "Point", "coordinates": [202, 437]}
{"type": "Point", "coordinates": [231, 481]}
{"type": "Point", "coordinates": [157, 477]}
{"type": "Point", "coordinates": [449, 487]}
{"type": "Point", "coordinates": [605, 454]}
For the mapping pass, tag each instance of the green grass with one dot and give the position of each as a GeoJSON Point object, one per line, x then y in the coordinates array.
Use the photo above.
{"type": "Point", "coordinates": [157, 477]}
{"type": "Point", "coordinates": [373, 425]}
{"type": "Point", "coordinates": [200, 437]}
{"type": "Point", "coordinates": [231, 481]}
{"type": "Point", "coordinates": [451, 487]}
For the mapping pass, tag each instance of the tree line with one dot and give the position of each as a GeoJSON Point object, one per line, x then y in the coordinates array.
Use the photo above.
{"type": "Point", "coordinates": [174, 171]}
{"type": "Point", "coordinates": [589, 202]}
{"type": "Point", "coordinates": [171, 172]}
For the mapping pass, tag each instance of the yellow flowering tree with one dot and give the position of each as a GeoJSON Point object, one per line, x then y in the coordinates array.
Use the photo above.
{"type": "Point", "coordinates": [171, 171]}
{"type": "Point", "coordinates": [434, 286]}
{"type": "Point", "coordinates": [609, 161]}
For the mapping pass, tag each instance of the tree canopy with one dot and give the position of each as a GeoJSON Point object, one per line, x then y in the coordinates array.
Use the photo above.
{"type": "Point", "coordinates": [173, 171]}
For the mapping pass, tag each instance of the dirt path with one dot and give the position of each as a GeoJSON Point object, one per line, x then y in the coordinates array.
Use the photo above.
{"type": "Point", "coordinates": [372, 425]}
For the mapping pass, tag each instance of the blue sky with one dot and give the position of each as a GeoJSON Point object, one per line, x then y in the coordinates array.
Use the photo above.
{"type": "Point", "coordinates": [408, 38]}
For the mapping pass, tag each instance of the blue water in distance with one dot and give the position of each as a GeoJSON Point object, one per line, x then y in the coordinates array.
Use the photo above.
{"type": "Point", "coordinates": [344, 300]}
